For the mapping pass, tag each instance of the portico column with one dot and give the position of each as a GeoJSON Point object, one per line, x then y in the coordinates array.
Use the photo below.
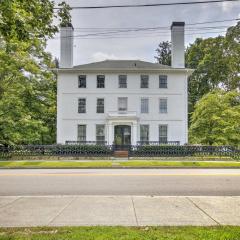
{"type": "Point", "coordinates": [110, 134]}
{"type": "Point", "coordinates": [134, 132]}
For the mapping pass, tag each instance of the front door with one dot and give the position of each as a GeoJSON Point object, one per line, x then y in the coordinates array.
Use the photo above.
{"type": "Point", "coordinates": [122, 136]}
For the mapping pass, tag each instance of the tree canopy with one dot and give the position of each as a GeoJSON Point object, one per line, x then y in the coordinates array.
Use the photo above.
{"type": "Point", "coordinates": [216, 119]}
{"type": "Point", "coordinates": [164, 53]}
{"type": "Point", "coordinates": [27, 86]}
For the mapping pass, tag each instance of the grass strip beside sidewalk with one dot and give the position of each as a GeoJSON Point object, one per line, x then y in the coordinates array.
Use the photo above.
{"type": "Point", "coordinates": [118, 233]}
{"type": "Point", "coordinates": [115, 164]}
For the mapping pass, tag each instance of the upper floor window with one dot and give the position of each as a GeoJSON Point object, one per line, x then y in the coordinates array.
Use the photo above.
{"type": "Point", "coordinates": [100, 105]}
{"type": "Point", "coordinates": [122, 81]}
{"type": "Point", "coordinates": [100, 133]}
{"type": "Point", "coordinates": [81, 133]}
{"type": "Point", "coordinates": [163, 105]}
{"type": "Point", "coordinates": [163, 133]}
{"type": "Point", "coordinates": [100, 81]}
{"type": "Point", "coordinates": [82, 81]}
{"type": "Point", "coordinates": [144, 105]}
{"type": "Point", "coordinates": [82, 105]}
{"type": "Point", "coordinates": [144, 81]}
{"type": "Point", "coordinates": [163, 81]}
{"type": "Point", "coordinates": [122, 104]}
{"type": "Point", "coordinates": [144, 133]}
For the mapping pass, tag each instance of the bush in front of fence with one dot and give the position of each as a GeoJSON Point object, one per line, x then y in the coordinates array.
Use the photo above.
{"type": "Point", "coordinates": [85, 150]}
{"type": "Point", "coordinates": [182, 151]}
{"type": "Point", "coordinates": [56, 150]}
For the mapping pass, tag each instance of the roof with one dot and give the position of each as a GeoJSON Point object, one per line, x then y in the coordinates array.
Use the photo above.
{"type": "Point", "coordinates": [122, 64]}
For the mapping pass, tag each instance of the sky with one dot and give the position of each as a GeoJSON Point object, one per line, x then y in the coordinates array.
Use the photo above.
{"type": "Point", "coordinates": [139, 45]}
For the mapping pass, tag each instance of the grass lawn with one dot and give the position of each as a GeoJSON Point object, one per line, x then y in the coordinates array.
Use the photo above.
{"type": "Point", "coordinates": [121, 233]}
{"type": "Point", "coordinates": [109, 164]}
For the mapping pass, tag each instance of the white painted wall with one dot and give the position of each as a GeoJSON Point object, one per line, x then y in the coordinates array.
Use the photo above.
{"type": "Point", "coordinates": [68, 93]}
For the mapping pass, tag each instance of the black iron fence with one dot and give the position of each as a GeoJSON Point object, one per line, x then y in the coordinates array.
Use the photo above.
{"type": "Point", "coordinates": [95, 150]}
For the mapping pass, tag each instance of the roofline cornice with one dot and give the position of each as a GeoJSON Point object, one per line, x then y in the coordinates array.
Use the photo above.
{"type": "Point", "coordinates": [107, 70]}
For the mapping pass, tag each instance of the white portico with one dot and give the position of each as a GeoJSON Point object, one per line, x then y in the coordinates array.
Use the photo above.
{"type": "Point", "coordinates": [122, 128]}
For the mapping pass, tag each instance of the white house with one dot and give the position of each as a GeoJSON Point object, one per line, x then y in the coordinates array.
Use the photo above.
{"type": "Point", "coordinates": [122, 101]}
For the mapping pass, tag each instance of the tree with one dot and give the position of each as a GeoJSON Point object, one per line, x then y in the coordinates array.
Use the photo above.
{"type": "Point", "coordinates": [164, 53]}
{"type": "Point", "coordinates": [215, 120]}
{"type": "Point", "coordinates": [216, 62]}
{"type": "Point", "coordinates": [27, 85]}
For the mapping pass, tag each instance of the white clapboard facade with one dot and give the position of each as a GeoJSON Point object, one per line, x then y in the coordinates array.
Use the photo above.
{"type": "Point", "coordinates": [122, 101]}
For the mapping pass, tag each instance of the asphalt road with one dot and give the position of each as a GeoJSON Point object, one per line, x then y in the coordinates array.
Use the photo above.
{"type": "Point", "coordinates": [156, 182]}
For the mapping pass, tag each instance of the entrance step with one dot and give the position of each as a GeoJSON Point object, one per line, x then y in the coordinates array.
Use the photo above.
{"type": "Point", "coordinates": [121, 154]}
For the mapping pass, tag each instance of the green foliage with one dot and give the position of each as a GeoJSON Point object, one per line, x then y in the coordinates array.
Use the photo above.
{"type": "Point", "coordinates": [216, 119]}
{"type": "Point", "coordinates": [216, 62]}
{"type": "Point", "coordinates": [164, 53]}
{"type": "Point", "coordinates": [27, 86]}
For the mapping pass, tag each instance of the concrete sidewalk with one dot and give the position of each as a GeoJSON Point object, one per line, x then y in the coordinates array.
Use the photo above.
{"type": "Point", "coordinates": [118, 210]}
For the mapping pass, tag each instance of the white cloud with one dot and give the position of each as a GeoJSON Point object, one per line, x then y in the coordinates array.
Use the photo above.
{"type": "Point", "coordinates": [227, 6]}
{"type": "Point", "coordinates": [100, 56]}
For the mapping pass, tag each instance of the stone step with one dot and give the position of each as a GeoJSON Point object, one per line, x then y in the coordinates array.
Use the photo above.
{"type": "Point", "coordinates": [121, 154]}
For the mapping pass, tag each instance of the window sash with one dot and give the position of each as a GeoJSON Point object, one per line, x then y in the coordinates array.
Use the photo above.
{"type": "Point", "coordinates": [82, 132]}
{"type": "Point", "coordinates": [82, 81]}
{"type": "Point", "coordinates": [144, 105]}
{"type": "Point", "coordinates": [163, 133]}
{"type": "Point", "coordinates": [122, 81]}
{"type": "Point", "coordinates": [144, 133]}
{"type": "Point", "coordinates": [100, 105]}
{"type": "Point", "coordinates": [100, 133]}
{"type": "Point", "coordinates": [122, 104]}
{"type": "Point", "coordinates": [163, 81]}
{"type": "Point", "coordinates": [82, 105]}
{"type": "Point", "coordinates": [100, 81]}
{"type": "Point", "coordinates": [163, 105]}
{"type": "Point", "coordinates": [144, 81]}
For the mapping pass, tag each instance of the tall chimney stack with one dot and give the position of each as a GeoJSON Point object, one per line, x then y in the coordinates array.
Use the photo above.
{"type": "Point", "coordinates": [177, 38]}
{"type": "Point", "coordinates": [66, 47]}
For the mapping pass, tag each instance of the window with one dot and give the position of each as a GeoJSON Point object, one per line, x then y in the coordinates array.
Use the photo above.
{"type": "Point", "coordinates": [144, 133]}
{"type": "Point", "coordinates": [81, 132]}
{"type": "Point", "coordinates": [122, 104]}
{"type": "Point", "coordinates": [163, 133]}
{"type": "Point", "coordinates": [100, 133]}
{"type": "Point", "coordinates": [122, 81]}
{"type": "Point", "coordinates": [162, 81]}
{"type": "Point", "coordinates": [100, 105]}
{"type": "Point", "coordinates": [100, 81]}
{"type": "Point", "coordinates": [144, 81]}
{"type": "Point", "coordinates": [82, 105]}
{"type": "Point", "coordinates": [163, 105]}
{"type": "Point", "coordinates": [82, 81]}
{"type": "Point", "coordinates": [144, 105]}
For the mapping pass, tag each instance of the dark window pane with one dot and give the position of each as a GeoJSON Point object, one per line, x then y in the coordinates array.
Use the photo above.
{"type": "Point", "coordinates": [81, 105]}
{"type": "Point", "coordinates": [163, 105]}
{"type": "Point", "coordinates": [100, 133]}
{"type": "Point", "coordinates": [162, 81]}
{"type": "Point", "coordinates": [163, 133]}
{"type": "Point", "coordinates": [144, 81]}
{"type": "Point", "coordinates": [100, 105]}
{"type": "Point", "coordinates": [100, 81]}
{"type": "Point", "coordinates": [81, 132]}
{"type": "Point", "coordinates": [144, 133]}
{"type": "Point", "coordinates": [122, 81]}
{"type": "Point", "coordinates": [82, 81]}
